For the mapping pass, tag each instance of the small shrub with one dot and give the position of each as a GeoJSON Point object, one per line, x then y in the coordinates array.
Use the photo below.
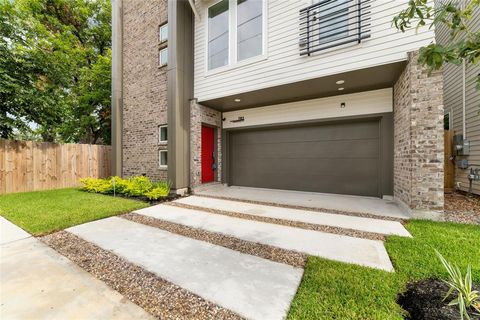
{"type": "Point", "coordinates": [137, 186]}
{"type": "Point", "coordinates": [97, 185]}
{"type": "Point", "coordinates": [467, 298]}
{"type": "Point", "coordinates": [133, 187]}
{"type": "Point", "coordinates": [159, 190]}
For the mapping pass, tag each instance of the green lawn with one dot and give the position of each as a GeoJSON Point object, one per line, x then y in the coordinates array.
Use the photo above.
{"type": "Point", "coordinates": [48, 211]}
{"type": "Point", "coordinates": [333, 290]}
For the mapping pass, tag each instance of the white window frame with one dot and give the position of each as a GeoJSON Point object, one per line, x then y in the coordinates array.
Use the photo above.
{"type": "Point", "coordinates": [160, 32]}
{"type": "Point", "coordinates": [160, 141]}
{"type": "Point", "coordinates": [160, 64]}
{"type": "Point", "coordinates": [160, 165]}
{"type": "Point", "coordinates": [232, 39]}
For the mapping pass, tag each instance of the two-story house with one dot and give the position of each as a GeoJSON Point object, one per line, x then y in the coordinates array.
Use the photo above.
{"type": "Point", "coordinates": [320, 96]}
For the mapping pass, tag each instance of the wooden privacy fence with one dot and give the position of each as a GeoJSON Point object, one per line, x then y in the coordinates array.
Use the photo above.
{"type": "Point", "coordinates": [449, 166]}
{"type": "Point", "coordinates": [31, 166]}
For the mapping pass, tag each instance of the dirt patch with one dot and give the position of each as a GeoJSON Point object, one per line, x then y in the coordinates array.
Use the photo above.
{"type": "Point", "coordinates": [157, 296]}
{"type": "Point", "coordinates": [462, 208]}
{"type": "Point", "coordinates": [424, 300]}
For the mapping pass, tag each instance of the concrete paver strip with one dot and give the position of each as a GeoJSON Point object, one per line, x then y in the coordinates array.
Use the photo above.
{"type": "Point", "coordinates": [253, 287]}
{"type": "Point", "coordinates": [372, 206]}
{"type": "Point", "coordinates": [364, 252]}
{"type": "Point", "coordinates": [329, 219]}
{"type": "Point", "coordinates": [10, 232]}
{"type": "Point", "coordinates": [39, 283]}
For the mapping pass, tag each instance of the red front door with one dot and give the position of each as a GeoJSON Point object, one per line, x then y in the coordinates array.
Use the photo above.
{"type": "Point", "coordinates": [208, 159]}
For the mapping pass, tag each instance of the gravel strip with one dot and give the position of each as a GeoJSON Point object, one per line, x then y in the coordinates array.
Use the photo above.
{"type": "Point", "coordinates": [289, 223]}
{"type": "Point", "coordinates": [159, 297]}
{"type": "Point", "coordinates": [346, 213]}
{"type": "Point", "coordinates": [462, 208]}
{"type": "Point", "coordinates": [292, 258]}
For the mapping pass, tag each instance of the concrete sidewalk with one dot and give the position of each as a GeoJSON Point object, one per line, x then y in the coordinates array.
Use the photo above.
{"type": "Point", "coordinates": [250, 286]}
{"type": "Point", "coordinates": [39, 283]}
{"type": "Point", "coordinates": [370, 253]}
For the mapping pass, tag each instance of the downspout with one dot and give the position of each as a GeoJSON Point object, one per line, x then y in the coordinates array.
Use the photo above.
{"type": "Point", "coordinates": [464, 100]}
{"type": "Point", "coordinates": [117, 87]}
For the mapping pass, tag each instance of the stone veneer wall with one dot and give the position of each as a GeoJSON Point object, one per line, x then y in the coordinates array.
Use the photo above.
{"type": "Point", "coordinates": [418, 137]}
{"type": "Point", "coordinates": [144, 88]}
{"type": "Point", "coordinates": [203, 115]}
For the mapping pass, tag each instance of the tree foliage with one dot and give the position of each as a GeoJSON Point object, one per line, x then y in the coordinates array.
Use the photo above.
{"type": "Point", "coordinates": [55, 69]}
{"type": "Point", "coordinates": [465, 42]}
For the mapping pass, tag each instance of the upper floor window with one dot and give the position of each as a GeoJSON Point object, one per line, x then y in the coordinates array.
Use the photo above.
{"type": "Point", "coordinates": [163, 134]}
{"type": "Point", "coordinates": [218, 34]}
{"type": "Point", "coordinates": [163, 57]}
{"type": "Point", "coordinates": [329, 23]}
{"type": "Point", "coordinates": [249, 28]}
{"type": "Point", "coordinates": [235, 31]}
{"type": "Point", "coordinates": [333, 21]}
{"type": "Point", "coordinates": [163, 32]}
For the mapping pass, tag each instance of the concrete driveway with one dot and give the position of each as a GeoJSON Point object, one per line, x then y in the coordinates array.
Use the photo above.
{"type": "Point", "coordinates": [39, 283]}
{"type": "Point", "coordinates": [337, 202]}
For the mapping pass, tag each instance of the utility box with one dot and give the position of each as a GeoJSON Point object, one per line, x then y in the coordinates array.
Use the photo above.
{"type": "Point", "coordinates": [462, 146]}
{"type": "Point", "coordinates": [462, 164]}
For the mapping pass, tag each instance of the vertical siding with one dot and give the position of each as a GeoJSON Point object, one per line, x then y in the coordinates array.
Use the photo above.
{"type": "Point", "coordinates": [283, 64]}
{"type": "Point", "coordinates": [453, 100]}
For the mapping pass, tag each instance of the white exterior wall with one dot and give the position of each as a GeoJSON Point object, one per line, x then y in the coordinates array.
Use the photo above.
{"type": "Point", "coordinates": [282, 63]}
{"type": "Point", "coordinates": [363, 103]}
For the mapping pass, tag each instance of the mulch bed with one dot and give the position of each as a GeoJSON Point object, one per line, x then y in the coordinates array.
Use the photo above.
{"type": "Point", "coordinates": [295, 259]}
{"type": "Point", "coordinates": [463, 208]}
{"type": "Point", "coordinates": [424, 300]}
{"type": "Point", "coordinates": [157, 296]}
{"type": "Point", "coordinates": [289, 223]}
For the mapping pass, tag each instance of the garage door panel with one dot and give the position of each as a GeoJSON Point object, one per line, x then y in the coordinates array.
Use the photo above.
{"type": "Point", "coordinates": [335, 158]}
{"type": "Point", "coordinates": [364, 130]}
{"type": "Point", "coordinates": [319, 180]}
{"type": "Point", "coordinates": [362, 149]}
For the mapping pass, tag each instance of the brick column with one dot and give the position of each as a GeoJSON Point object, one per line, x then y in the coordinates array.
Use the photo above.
{"type": "Point", "coordinates": [418, 138]}
{"type": "Point", "coordinates": [199, 115]}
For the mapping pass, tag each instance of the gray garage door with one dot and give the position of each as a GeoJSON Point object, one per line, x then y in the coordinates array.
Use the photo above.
{"type": "Point", "coordinates": [342, 158]}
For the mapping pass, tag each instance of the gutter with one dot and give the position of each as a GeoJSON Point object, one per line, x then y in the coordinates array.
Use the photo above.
{"type": "Point", "coordinates": [464, 100]}
{"type": "Point", "coordinates": [194, 9]}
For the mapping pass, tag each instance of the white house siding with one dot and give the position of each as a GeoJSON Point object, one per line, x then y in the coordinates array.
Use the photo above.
{"type": "Point", "coordinates": [283, 63]}
{"type": "Point", "coordinates": [453, 101]}
{"type": "Point", "coordinates": [371, 102]}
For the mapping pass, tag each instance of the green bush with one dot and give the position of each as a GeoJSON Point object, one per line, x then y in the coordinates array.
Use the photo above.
{"type": "Point", "coordinates": [97, 185]}
{"type": "Point", "coordinates": [137, 186]}
{"type": "Point", "coordinates": [133, 187]}
{"type": "Point", "coordinates": [159, 190]}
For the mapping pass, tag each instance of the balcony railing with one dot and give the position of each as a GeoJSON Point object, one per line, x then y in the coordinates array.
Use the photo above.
{"type": "Point", "coordinates": [332, 23]}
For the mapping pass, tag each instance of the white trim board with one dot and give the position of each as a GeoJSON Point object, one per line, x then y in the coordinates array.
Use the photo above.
{"type": "Point", "coordinates": [356, 104]}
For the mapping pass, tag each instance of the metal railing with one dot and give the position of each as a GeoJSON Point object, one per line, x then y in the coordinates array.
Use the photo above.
{"type": "Point", "coordinates": [332, 23]}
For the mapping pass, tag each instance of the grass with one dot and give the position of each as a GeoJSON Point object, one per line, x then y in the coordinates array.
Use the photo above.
{"type": "Point", "coordinates": [334, 290]}
{"type": "Point", "coordinates": [44, 212]}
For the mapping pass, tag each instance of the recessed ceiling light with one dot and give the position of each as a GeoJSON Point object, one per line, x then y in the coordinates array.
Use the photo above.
{"type": "Point", "coordinates": [340, 82]}
{"type": "Point", "coordinates": [237, 100]}
{"type": "Point", "coordinates": [341, 89]}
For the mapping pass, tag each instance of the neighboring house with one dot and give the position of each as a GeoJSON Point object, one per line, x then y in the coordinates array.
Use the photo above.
{"type": "Point", "coordinates": [462, 107]}
{"type": "Point", "coordinates": [321, 96]}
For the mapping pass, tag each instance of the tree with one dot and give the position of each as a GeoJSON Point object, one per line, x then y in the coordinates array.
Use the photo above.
{"type": "Point", "coordinates": [54, 69]}
{"type": "Point", "coordinates": [465, 42]}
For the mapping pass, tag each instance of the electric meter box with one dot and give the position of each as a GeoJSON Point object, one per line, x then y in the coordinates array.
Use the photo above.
{"type": "Point", "coordinates": [462, 146]}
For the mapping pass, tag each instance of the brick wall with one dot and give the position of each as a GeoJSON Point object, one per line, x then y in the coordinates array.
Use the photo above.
{"type": "Point", "coordinates": [144, 88]}
{"type": "Point", "coordinates": [418, 137]}
{"type": "Point", "coordinates": [203, 115]}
